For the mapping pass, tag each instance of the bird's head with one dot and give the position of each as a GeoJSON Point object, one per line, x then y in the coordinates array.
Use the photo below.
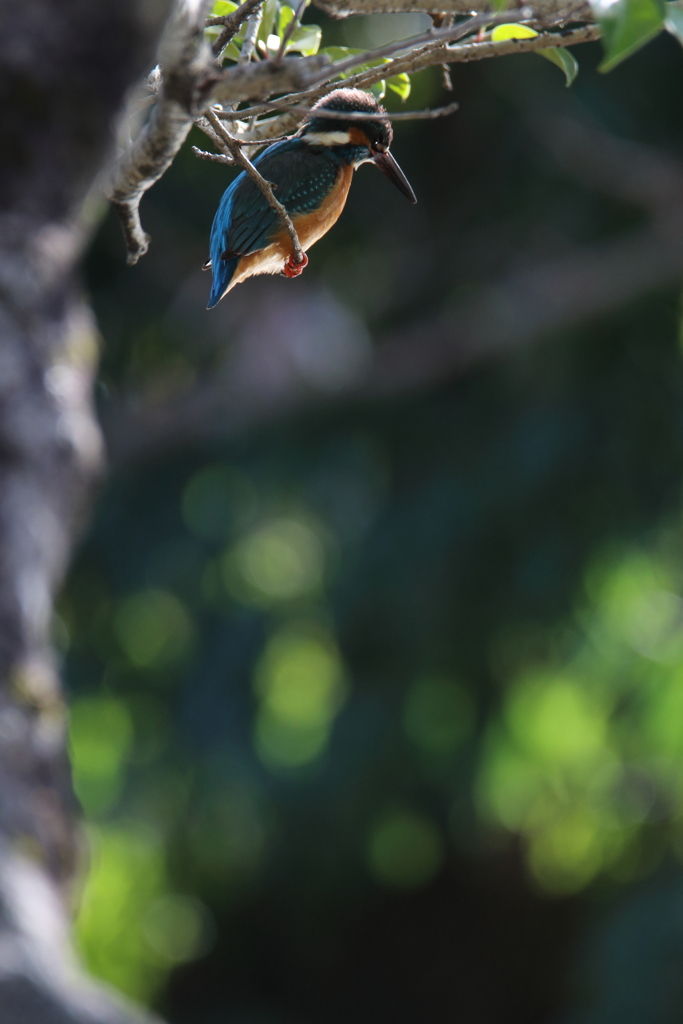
{"type": "Point", "coordinates": [363, 137]}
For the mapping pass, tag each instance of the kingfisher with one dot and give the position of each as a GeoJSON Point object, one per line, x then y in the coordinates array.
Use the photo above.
{"type": "Point", "coordinates": [312, 173]}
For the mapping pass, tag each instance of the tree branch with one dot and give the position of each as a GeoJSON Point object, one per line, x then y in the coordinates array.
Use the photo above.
{"type": "Point", "coordinates": [190, 85]}
{"type": "Point", "coordinates": [465, 52]}
{"type": "Point", "coordinates": [231, 23]}
{"type": "Point", "coordinates": [75, 60]}
{"type": "Point", "coordinates": [185, 58]}
{"type": "Point", "coordinates": [428, 56]}
{"type": "Point", "coordinates": [388, 115]}
{"type": "Point", "coordinates": [253, 25]}
{"type": "Point", "coordinates": [291, 29]}
{"type": "Point", "coordinates": [216, 158]}
{"type": "Point", "coordinates": [567, 11]}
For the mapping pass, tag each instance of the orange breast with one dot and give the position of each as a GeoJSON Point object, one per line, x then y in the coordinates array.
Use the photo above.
{"type": "Point", "coordinates": [309, 227]}
{"type": "Point", "coordinates": [312, 226]}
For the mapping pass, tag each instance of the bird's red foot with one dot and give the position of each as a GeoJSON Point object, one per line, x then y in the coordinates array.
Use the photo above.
{"type": "Point", "coordinates": [292, 268]}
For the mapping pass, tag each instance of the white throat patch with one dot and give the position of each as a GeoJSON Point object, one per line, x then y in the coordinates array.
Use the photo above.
{"type": "Point", "coordinates": [327, 138]}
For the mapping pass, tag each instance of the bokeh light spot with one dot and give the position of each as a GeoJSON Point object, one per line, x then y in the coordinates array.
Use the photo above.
{"type": "Point", "coordinates": [663, 719]}
{"type": "Point", "coordinates": [555, 720]}
{"type": "Point", "coordinates": [153, 628]}
{"type": "Point", "coordinates": [567, 854]}
{"type": "Point", "coordinates": [301, 683]}
{"type": "Point", "coordinates": [126, 875]}
{"type": "Point", "coordinates": [281, 560]}
{"type": "Point", "coordinates": [437, 715]}
{"type": "Point", "coordinates": [657, 626]}
{"type": "Point", "coordinates": [633, 604]}
{"type": "Point", "coordinates": [100, 737]}
{"type": "Point", "coordinates": [508, 783]}
{"type": "Point", "coordinates": [282, 744]}
{"type": "Point", "coordinates": [178, 928]}
{"type": "Point", "coordinates": [405, 849]}
{"type": "Point", "coordinates": [300, 679]}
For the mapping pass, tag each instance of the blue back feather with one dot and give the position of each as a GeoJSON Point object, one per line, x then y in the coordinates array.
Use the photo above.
{"type": "Point", "coordinates": [245, 223]}
{"type": "Point", "coordinates": [222, 269]}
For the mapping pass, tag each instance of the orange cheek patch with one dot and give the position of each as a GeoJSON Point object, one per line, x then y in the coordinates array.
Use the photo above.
{"type": "Point", "coordinates": [358, 137]}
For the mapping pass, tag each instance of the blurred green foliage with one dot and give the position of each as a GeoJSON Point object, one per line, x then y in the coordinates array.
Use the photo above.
{"type": "Point", "coordinates": [376, 708]}
{"type": "Point", "coordinates": [586, 758]}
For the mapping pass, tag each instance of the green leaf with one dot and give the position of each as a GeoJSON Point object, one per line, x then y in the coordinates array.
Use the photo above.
{"type": "Point", "coordinates": [512, 31]}
{"type": "Point", "coordinates": [339, 52]}
{"type": "Point", "coordinates": [222, 7]}
{"type": "Point", "coordinates": [231, 51]}
{"type": "Point", "coordinates": [219, 10]}
{"type": "Point", "coordinates": [271, 11]}
{"type": "Point", "coordinates": [674, 21]}
{"type": "Point", "coordinates": [400, 84]}
{"type": "Point", "coordinates": [305, 40]}
{"type": "Point", "coordinates": [564, 60]}
{"type": "Point", "coordinates": [286, 15]}
{"type": "Point", "coordinates": [626, 26]}
{"type": "Point", "coordinates": [379, 88]}
{"type": "Point", "coordinates": [342, 52]}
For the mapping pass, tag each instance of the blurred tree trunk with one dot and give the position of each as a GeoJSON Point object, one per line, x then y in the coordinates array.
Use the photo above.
{"type": "Point", "coordinates": [64, 69]}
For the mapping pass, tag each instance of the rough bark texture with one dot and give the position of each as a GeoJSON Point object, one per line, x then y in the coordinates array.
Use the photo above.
{"type": "Point", "coordinates": [64, 70]}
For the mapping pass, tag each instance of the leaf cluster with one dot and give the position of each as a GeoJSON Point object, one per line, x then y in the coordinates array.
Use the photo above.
{"type": "Point", "coordinates": [626, 26]}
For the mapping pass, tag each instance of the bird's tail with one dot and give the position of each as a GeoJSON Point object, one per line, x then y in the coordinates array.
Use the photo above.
{"type": "Point", "coordinates": [223, 271]}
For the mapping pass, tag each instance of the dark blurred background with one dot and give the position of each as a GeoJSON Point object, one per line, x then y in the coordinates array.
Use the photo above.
{"type": "Point", "coordinates": [375, 644]}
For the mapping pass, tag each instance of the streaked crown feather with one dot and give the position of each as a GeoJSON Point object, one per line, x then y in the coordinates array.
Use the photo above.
{"type": "Point", "coordinates": [376, 128]}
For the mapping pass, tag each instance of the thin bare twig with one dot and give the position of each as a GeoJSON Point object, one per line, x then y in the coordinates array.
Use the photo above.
{"type": "Point", "coordinates": [205, 127]}
{"type": "Point", "coordinates": [427, 115]}
{"type": "Point", "coordinates": [444, 21]}
{"type": "Point", "coordinates": [352, 115]}
{"type": "Point", "coordinates": [425, 42]}
{"type": "Point", "coordinates": [235, 151]}
{"type": "Point", "coordinates": [231, 23]}
{"type": "Point", "coordinates": [408, 115]}
{"type": "Point", "coordinates": [467, 52]}
{"type": "Point", "coordinates": [432, 38]}
{"type": "Point", "coordinates": [576, 10]}
{"type": "Point", "coordinates": [290, 30]}
{"type": "Point", "coordinates": [253, 25]}
{"type": "Point", "coordinates": [259, 80]}
{"type": "Point", "coordinates": [216, 158]}
{"type": "Point", "coordinates": [426, 57]}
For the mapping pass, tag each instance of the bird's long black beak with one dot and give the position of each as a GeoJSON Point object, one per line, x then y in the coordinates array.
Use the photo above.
{"type": "Point", "coordinates": [388, 166]}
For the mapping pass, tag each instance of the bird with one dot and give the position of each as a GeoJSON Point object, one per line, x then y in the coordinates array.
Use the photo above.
{"type": "Point", "coordinates": [311, 172]}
